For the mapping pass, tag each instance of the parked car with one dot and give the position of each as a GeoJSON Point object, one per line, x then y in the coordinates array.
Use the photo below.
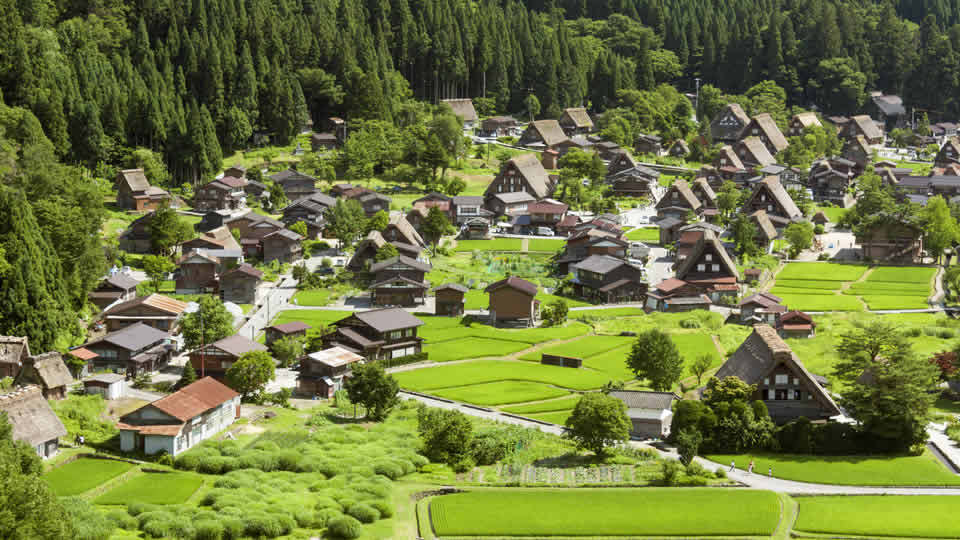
{"type": "Point", "coordinates": [545, 231]}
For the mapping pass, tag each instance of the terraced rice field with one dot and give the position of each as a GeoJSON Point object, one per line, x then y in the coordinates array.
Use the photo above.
{"type": "Point", "coordinates": [501, 392]}
{"type": "Point", "coordinates": [154, 488]}
{"type": "Point", "coordinates": [83, 475]}
{"type": "Point", "coordinates": [835, 287]}
{"type": "Point", "coordinates": [921, 516]}
{"type": "Point", "coordinates": [486, 371]}
{"type": "Point", "coordinates": [495, 244]}
{"type": "Point", "coordinates": [601, 513]}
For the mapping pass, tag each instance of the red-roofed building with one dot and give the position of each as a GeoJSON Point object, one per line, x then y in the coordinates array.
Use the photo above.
{"type": "Point", "coordinates": [796, 324]}
{"type": "Point", "coordinates": [177, 422]}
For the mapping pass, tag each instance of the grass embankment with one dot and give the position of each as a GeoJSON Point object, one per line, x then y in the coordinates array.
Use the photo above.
{"type": "Point", "coordinates": [920, 516]}
{"type": "Point", "coordinates": [84, 474]}
{"type": "Point", "coordinates": [596, 512]}
{"type": "Point", "coordinates": [647, 235]}
{"type": "Point", "coordinates": [922, 470]}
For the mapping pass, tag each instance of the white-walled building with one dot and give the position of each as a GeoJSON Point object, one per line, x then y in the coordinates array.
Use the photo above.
{"type": "Point", "coordinates": [178, 422]}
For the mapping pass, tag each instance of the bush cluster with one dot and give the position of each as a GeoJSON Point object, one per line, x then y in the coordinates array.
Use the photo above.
{"type": "Point", "coordinates": [83, 415]}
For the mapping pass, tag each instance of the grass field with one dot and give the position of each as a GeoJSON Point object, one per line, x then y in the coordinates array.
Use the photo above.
{"type": "Point", "coordinates": [922, 470]}
{"type": "Point", "coordinates": [314, 317]}
{"type": "Point", "coordinates": [647, 235]}
{"type": "Point", "coordinates": [154, 488]}
{"type": "Point", "coordinates": [501, 393]}
{"type": "Point", "coordinates": [314, 297]}
{"type": "Point", "coordinates": [822, 271]}
{"type": "Point", "coordinates": [892, 302]}
{"type": "Point", "coordinates": [554, 417]}
{"type": "Point", "coordinates": [84, 474]}
{"type": "Point", "coordinates": [597, 512]}
{"type": "Point", "coordinates": [581, 348]}
{"type": "Point", "coordinates": [818, 302]}
{"type": "Point", "coordinates": [485, 371]}
{"type": "Point", "coordinates": [921, 516]}
{"type": "Point", "coordinates": [495, 244]}
{"type": "Point", "coordinates": [554, 405]}
{"type": "Point", "coordinates": [545, 244]}
{"type": "Point", "coordinates": [472, 347]}
{"type": "Point", "coordinates": [605, 313]}
{"type": "Point", "coordinates": [902, 274]}
{"type": "Point", "coordinates": [439, 329]}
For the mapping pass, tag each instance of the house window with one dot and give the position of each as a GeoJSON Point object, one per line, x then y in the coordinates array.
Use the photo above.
{"type": "Point", "coordinates": [709, 257]}
{"type": "Point", "coordinates": [714, 267]}
{"type": "Point", "coordinates": [226, 364]}
{"type": "Point", "coordinates": [675, 195]}
{"type": "Point", "coordinates": [701, 268]}
{"type": "Point", "coordinates": [763, 196]}
{"type": "Point", "coordinates": [781, 395]}
{"type": "Point", "coordinates": [797, 395]}
{"type": "Point", "coordinates": [796, 381]}
{"type": "Point", "coordinates": [782, 379]}
{"type": "Point", "coordinates": [769, 208]}
{"type": "Point", "coordinates": [766, 380]}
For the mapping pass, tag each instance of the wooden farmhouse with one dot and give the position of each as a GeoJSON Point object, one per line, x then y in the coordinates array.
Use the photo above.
{"type": "Point", "coordinates": [635, 181]}
{"type": "Point", "coordinates": [754, 153]}
{"type": "Point", "coordinates": [283, 245]}
{"type": "Point", "coordinates": [859, 151]}
{"type": "Point", "coordinates": [181, 420]}
{"type": "Point", "coordinates": [117, 287]}
{"type": "Point", "coordinates": [512, 302]}
{"type": "Point", "coordinates": [365, 253]}
{"type": "Point", "coordinates": [241, 285]}
{"type": "Point", "coordinates": [761, 308]}
{"type": "Point", "coordinates": [225, 193]}
{"type": "Point", "coordinates": [497, 126]}
{"type": "Point", "coordinates": [796, 324]}
{"type": "Point", "coordinates": [133, 350]}
{"type": "Point", "coordinates": [279, 331]}
{"type": "Point", "coordinates": [648, 144]}
{"type": "Point", "coordinates": [521, 174]}
{"type": "Point", "coordinates": [399, 281]}
{"type": "Point", "coordinates": [252, 225]}
{"type": "Point", "coordinates": [33, 420]}
{"type": "Point", "coordinates": [770, 196]}
{"type": "Point", "coordinates": [729, 123]}
{"type": "Point", "coordinates": [727, 166]}
{"type": "Point", "coordinates": [948, 154]}
{"type": "Point", "coordinates": [608, 280]}
{"type": "Point", "coordinates": [543, 134]}
{"type": "Point", "coordinates": [134, 192]}
{"type": "Point", "coordinates": [650, 413]}
{"type": "Point", "coordinates": [450, 299]}
{"type": "Point", "coordinates": [766, 230]}
{"type": "Point", "coordinates": [14, 351]}
{"type": "Point", "coordinates": [400, 230]}
{"type": "Point", "coordinates": [801, 122]}
{"type": "Point", "coordinates": [47, 371]}
{"type": "Point", "coordinates": [379, 334]}
{"type": "Point", "coordinates": [763, 127]}
{"type": "Point", "coordinates": [891, 240]}
{"type": "Point", "coordinates": [783, 383]}
{"type": "Point", "coordinates": [216, 238]}
{"type": "Point", "coordinates": [158, 311]}
{"type": "Point", "coordinates": [575, 121]}
{"type": "Point", "coordinates": [309, 210]}
{"type": "Point", "coordinates": [136, 238]}
{"type": "Point", "coordinates": [295, 184]}
{"type": "Point", "coordinates": [863, 126]}
{"type": "Point", "coordinates": [322, 373]}
{"type": "Point", "coordinates": [214, 359]}
{"type": "Point", "coordinates": [710, 268]}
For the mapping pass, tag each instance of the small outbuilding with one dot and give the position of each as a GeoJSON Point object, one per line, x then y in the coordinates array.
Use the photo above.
{"type": "Point", "coordinates": [33, 420]}
{"type": "Point", "coordinates": [322, 372]}
{"type": "Point", "coordinates": [513, 301]}
{"type": "Point", "coordinates": [280, 331]}
{"type": "Point", "coordinates": [449, 299]}
{"type": "Point", "coordinates": [108, 385]}
{"type": "Point", "coordinates": [651, 413]}
{"type": "Point", "coordinates": [47, 371]}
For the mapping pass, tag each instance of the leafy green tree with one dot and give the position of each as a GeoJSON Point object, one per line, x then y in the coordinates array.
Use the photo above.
{"type": "Point", "coordinates": [728, 199]}
{"type": "Point", "coordinates": [744, 233]}
{"type": "Point", "coordinates": [288, 350]}
{"type": "Point", "coordinates": [532, 105]}
{"type": "Point", "coordinates": [373, 388]}
{"type": "Point", "coordinates": [276, 196]}
{"type": "Point", "coordinates": [30, 509]}
{"type": "Point", "coordinates": [154, 168]}
{"type": "Point", "coordinates": [727, 390]}
{"type": "Point", "coordinates": [940, 227]}
{"type": "Point", "coordinates": [388, 251]}
{"type": "Point", "coordinates": [802, 199]}
{"type": "Point", "coordinates": [597, 422]}
{"type": "Point", "coordinates": [446, 435]}
{"type": "Point", "coordinates": [157, 267]}
{"type": "Point", "coordinates": [556, 313]}
{"type": "Point", "coordinates": [455, 186]}
{"type": "Point", "coordinates": [701, 366]}
{"type": "Point", "coordinates": [209, 323]}
{"type": "Point", "coordinates": [889, 389]}
{"type": "Point", "coordinates": [251, 372]}
{"type": "Point", "coordinates": [799, 236]}
{"type": "Point", "coordinates": [168, 230]}
{"type": "Point", "coordinates": [299, 228]}
{"type": "Point", "coordinates": [189, 375]}
{"type": "Point", "coordinates": [840, 84]}
{"type": "Point", "coordinates": [345, 221]}
{"type": "Point", "coordinates": [377, 222]}
{"type": "Point", "coordinates": [654, 357]}
{"type": "Point", "coordinates": [436, 225]}
{"type": "Point", "coordinates": [688, 442]}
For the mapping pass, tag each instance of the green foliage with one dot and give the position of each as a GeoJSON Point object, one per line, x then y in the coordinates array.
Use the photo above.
{"type": "Point", "coordinates": [277, 197]}
{"type": "Point", "coordinates": [371, 387]}
{"type": "Point", "coordinates": [211, 322]}
{"type": "Point", "coordinates": [388, 251]}
{"type": "Point", "coordinates": [940, 227]}
{"type": "Point", "coordinates": [688, 444]}
{"type": "Point", "coordinates": [251, 373]}
{"type": "Point", "coordinates": [157, 267]}
{"type": "Point", "coordinates": [83, 415]}
{"type": "Point", "coordinates": [88, 522]}
{"type": "Point", "coordinates": [555, 313]}
{"type": "Point", "coordinates": [800, 237]}
{"type": "Point", "coordinates": [446, 434]}
{"type": "Point", "coordinates": [654, 357]}
{"type": "Point", "coordinates": [599, 421]}
{"type": "Point", "coordinates": [436, 225]}
{"type": "Point", "coordinates": [188, 376]}
{"type": "Point", "coordinates": [299, 228]}
{"type": "Point", "coordinates": [345, 527]}
{"type": "Point", "coordinates": [345, 221]}
{"type": "Point", "coordinates": [168, 230]}
{"type": "Point", "coordinates": [700, 366]}
{"type": "Point", "coordinates": [288, 349]}
{"type": "Point", "coordinates": [744, 233]}
{"type": "Point", "coordinates": [377, 222]}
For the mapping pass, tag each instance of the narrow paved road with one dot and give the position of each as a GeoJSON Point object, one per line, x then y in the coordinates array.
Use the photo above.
{"type": "Point", "coordinates": [276, 299]}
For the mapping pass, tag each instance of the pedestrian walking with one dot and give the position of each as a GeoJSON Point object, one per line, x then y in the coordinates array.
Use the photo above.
{"type": "Point", "coordinates": [770, 472]}
{"type": "Point", "coordinates": [733, 465]}
{"type": "Point", "coordinates": [750, 468]}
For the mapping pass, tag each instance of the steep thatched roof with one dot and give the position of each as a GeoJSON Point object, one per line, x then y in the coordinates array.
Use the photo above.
{"type": "Point", "coordinates": [462, 108]}
{"type": "Point", "coordinates": [33, 421]}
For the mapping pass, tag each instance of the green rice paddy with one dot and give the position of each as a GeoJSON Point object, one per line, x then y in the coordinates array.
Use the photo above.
{"type": "Point", "coordinates": [154, 488]}
{"type": "Point", "coordinates": [610, 512]}
{"type": "Point", "coordinates": [486, 371]}
{"type": "Point", "coordinates": [501, 392]}
{"type": "Point", "coordinates": [84, 474]}
{"type": "Point", "coordinates": [919, 516]}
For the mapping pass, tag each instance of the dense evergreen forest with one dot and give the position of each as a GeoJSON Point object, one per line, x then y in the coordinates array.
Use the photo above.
{"type": "Point", "coordinates": [195, 79]}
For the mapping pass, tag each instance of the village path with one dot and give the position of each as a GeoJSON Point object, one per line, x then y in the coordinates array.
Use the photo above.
{"type": "Point", "coordinates": [276, 299]}
{"type": "Point", "coordinates": [754, 481]}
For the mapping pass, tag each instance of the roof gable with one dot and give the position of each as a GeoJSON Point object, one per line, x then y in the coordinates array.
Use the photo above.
{"type": "Point", "coordinates": [766, 125]}
{"type": "Point", "coordinates": [515, 283]}
{"type": "Point", "coordinates": [31, 417]}
{"type": "Point", "coordinates": [772, 187]}
{"type": "Point", "coordinates": [684, 195]}
{"type": "Point", "coordinates": [549, 131]}
{"type": "Point", "coordinates": [756, 151]}
{"type": "Point", "coordinates": [462, 108]}
{"type": "Point", "coordinates": [577, 117]}
{"type": "Point", "coordinates": [708, 243]}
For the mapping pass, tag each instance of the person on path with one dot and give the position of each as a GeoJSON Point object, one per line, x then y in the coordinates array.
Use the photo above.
{"type": "Point", "coordinates": [770, 472]}
{"type": "Point", "coordinates": [750, 469]}
{"type": "Point", "coordinates": [733, 465]}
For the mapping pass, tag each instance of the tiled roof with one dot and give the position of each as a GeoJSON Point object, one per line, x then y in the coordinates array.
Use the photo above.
{"type": "Point", "coordinates": [237, 345]}
{"type": "Point", "coordinates": [646, 400]}
{"type": "Point", "coordinates": [158, 301]}
{"type": "Point", "coordinates": [291, 327]}
{"type": "Point", "coordinates": [195, 399]}
{"type": "Point", "coordinates": [384, 320]}
{"type": "Point", "coordinates": [512, 282]}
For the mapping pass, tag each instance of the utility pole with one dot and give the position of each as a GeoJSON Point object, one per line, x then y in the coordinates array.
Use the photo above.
{"type": "Point", "coordinates": [203, 361]}
{"type": "Point", "coordinates": [696, 109]}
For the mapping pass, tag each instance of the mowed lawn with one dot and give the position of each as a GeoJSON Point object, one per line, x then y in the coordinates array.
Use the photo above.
{"type": "Point", "coordinates": [545, 244]}
{"type": "Point", "coordinates": [919, 516]}
{"type": "Point", "coordinates": [486, 371]}
{"type": "Point", "coordinates": [647, 235]}
{"type": "Point", "coordinates": [154, 488]}
{"type": "Point", "coordinates": [610, 512]}
{"type": "Point", "coordinates": [314, 317]}
{"type": "Point", "coordinates": [501, 392]}
{"type": "Point", "coordinates": [314, 297]}
{"type": "Point", "coordinates": [83, 475]}
{"type": "Point", "coordinates": [922, 470]}
{"type": "Point", "coordinates": [818, 302]}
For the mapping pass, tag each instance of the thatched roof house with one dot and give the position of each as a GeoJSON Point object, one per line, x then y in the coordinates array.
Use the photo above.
{"type": "Point", "coordinates": [33, 421]}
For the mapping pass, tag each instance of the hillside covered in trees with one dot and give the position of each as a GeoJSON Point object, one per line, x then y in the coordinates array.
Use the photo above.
{"type": "Point", "coordinates": [196, 79]}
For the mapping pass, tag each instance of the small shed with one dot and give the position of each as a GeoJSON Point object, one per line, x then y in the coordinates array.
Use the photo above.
{"type": "Point", "coordinates": [651, 413]}
{"type": "Point", "coordinates": [322, 372]}
{"type": "Point", "coordinates": [48, 371]}
{"type": "Point", "coordinates": [280, 331]}
{"type": "Point", "coordinates": [108, 385]}
{"type": "Point", "coordinates": [449, 299]}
